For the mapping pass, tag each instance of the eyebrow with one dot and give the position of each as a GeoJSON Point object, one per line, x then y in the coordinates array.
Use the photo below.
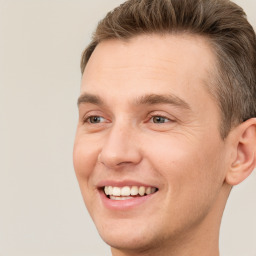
{"type": "Point", "coordinates": [148, 99]}
{"type": "Point", "coordinates": [89, 98]}
{"type": "Point", "coordinates": [153, 99]}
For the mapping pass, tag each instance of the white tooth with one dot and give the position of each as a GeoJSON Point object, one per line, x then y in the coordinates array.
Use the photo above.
{"type": "Point", "coordinates": [119, 198]}
{"type": "Point", "coordinates": [153, 190]}
{"type": "Point", "coordinates": [125, 191]}
{"type": "Point", "coordinates": [134, 190]}
{"type": "Point", "coordinates": [114, 198]}
{"type": "Point", "coordinates": [142, 190]}
{"type": "Point", "coordinates": [116, 191]}
{"type": "Point", "coordinates": [106, 190]}
{"type": "Point", "coordinates": [110, 190]}
{"type": "Point", "coordinates": [148, 190]}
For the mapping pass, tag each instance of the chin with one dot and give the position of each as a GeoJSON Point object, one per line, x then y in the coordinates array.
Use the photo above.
{"type": "Point", "coordinates": [128, 242]}
{"type": "Point", "coordinates": [130, 235]}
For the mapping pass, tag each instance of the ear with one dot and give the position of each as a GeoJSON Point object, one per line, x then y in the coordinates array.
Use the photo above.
{"type": "Point", "coordinates": [245, 152]}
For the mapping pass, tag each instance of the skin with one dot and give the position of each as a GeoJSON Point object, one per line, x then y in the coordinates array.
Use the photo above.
{"type": "Point", "coordinates": [183, 155]}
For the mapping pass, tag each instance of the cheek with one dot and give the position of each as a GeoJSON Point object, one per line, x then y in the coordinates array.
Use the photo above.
{"type": "Point", "coordinates": [190, 168]}
{"type": "Point", "coordinates": [84, 158]}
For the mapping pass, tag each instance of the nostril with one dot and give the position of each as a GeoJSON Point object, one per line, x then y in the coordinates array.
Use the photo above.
{"type": "Point", "coordinates": [119, 150]}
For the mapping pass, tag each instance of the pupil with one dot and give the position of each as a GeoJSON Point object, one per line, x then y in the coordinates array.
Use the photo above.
{"type": "Point", "coordinates": [95, 119]}
{"type": "Point", "coordinates": [158, 119]}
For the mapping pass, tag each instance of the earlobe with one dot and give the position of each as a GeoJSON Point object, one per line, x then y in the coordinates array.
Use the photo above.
{"type": "Point", "coordinates": [245, 159]}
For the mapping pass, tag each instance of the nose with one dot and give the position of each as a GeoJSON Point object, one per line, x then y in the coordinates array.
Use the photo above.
{"type": "Point", "coordinates": [120, 148]}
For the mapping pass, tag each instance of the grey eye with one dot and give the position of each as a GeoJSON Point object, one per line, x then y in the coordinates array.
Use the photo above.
{"type": "Point", "coordinates": [159, 119]}
{"type": "Point", "coordinates": [95, 119]}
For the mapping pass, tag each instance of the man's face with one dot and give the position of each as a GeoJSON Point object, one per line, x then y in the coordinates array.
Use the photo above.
{"type": "Point", "coordinates": [147, 120]}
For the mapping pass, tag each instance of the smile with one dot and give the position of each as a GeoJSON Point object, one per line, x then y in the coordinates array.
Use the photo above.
{"type": "Point", "coordinates": [128, 192]}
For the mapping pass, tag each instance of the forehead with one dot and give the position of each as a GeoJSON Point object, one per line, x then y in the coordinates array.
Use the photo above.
{"type": "Point", "coordinates": [179, 64]}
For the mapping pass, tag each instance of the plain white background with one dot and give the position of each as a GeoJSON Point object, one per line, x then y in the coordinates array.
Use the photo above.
{"type": "Point", "coordinates": [41, 209]}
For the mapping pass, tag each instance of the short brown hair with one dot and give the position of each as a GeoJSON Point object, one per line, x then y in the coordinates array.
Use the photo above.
{"type": "Point", "coordinates": [222, 22]}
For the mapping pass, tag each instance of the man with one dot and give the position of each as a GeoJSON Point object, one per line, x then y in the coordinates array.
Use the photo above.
{"type": "Point", "coordinates": [166, 123]}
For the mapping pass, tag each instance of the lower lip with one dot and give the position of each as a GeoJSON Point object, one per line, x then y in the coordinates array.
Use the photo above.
{"type": "Point", "coordinates": [124, 204]}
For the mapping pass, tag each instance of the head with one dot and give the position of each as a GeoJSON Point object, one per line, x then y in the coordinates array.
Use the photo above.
{"type": "Point", "coordinates": [221, 22]}
{"type": "Point", "coordinates": [167, 103]}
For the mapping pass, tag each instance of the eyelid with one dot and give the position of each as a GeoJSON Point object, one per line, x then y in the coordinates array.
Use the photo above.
{"type": "Point", "coordinates": [92, 113]}
{"type": "Point", "coordinates": [166, 120]}
{"type": "Point", "coordinates": [93, 116]}
{"type": "Point", "coordinates": [86, 119]}
{"type": "Point", "coordinates": [158, 114]}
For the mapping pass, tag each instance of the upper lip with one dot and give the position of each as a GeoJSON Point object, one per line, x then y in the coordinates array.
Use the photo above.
{"type": "Point", "coordinates": [122, 183]}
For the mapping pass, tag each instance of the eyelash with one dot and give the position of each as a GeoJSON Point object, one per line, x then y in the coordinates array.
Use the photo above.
{"type": "Point", "coordinates": [88, 119]}
{"type": "Point", "coordinates": [166, 119]}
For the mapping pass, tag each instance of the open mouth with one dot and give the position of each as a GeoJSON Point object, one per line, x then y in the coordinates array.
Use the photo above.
{"type": "Point", "coordinates": [128, 192]}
